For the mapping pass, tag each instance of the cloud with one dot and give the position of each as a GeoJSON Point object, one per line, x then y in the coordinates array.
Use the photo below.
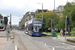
{"type": "Point", "coordinates": [20, 7]}
{"type": "Point", "coordinates": [14, 3]}
{"type": "Point", "coordinates": [15, 19]}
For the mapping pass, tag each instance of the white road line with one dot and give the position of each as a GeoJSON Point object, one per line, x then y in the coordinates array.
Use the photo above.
{"type": "Point", "coordinates": [65, 44]}
{"type": "Point", "coordinates": [45, 44]}
{"type": "Point", "coordinates": [40, 42]}
{"type": "Point", "coordinates": [53, 48]}
{"type": "Point", "coordinates": [15, 47]}
{"type": "Point", "coordinates": [73, 46]}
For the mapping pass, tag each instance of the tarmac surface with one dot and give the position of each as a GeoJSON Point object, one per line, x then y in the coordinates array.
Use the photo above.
{"type": "Point", "coordinates": [18, 40]}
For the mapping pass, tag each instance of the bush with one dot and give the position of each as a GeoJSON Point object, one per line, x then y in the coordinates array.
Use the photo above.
{"type": "Point", "coordinates": [72, 32]}
{"type": "Point", "coordinates": [73, 29]}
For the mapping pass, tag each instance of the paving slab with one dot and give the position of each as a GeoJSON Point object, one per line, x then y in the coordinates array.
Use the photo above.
{"type": "Point", "coordinates": [3, 42]}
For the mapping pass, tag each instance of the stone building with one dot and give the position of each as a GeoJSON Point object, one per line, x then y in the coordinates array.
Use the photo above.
{"type": "Point", "coordinates": [29, 15]}
{"type": "Point", "coordinates": [40, 10]}
{"type": "Point", "coordinates": [1, 19]}
{"type": "Point", "coordinates": [26, 17]}
{"type": "Point", "coordinates": [22, 22]}
{"type": "Point", "coordinates": [60, 10]}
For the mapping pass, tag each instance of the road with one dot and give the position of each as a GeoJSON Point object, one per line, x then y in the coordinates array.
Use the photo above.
{"type": "Point", "coordinates": [41, 43]}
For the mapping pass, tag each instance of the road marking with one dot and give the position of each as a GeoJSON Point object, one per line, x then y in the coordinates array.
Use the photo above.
{"type": "Point", "coordinates": [40, 42]}
{"type": "Point", "coordinates": [45, 44]}
{"type": "Point", "coordinates": [65, 44]}
{"type": "Point", "coordinates": [73, 46]}
{"type": "Point", "coordinates": [53, 48]}
{"type": "Point", "coordinates": [15, 47]}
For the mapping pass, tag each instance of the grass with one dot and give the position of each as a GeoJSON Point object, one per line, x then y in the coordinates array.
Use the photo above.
{"type": "Point", "coordinates": [59, 34]}
{"type": "Point", "coordinates": [71, 35]}
{"type": "Point", "coordinates": [47, 32]}
{"type": "Point", "coordinates": [51, 33]}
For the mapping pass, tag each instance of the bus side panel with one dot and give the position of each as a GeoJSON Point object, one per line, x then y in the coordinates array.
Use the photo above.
{"type": "Point", "coordinates": [36, 34]}
{"type": "Point", "coordinates": [30, 29]}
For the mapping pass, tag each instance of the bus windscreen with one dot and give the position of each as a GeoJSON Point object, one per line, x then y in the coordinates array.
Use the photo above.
{"type": "Point", "coordinates": [37, 21]}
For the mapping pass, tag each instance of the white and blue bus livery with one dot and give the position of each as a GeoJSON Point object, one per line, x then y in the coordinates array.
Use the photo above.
{"type": "Point", "coordinates": [35, 27]}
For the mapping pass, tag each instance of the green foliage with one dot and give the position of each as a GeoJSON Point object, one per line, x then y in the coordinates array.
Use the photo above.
{"type": "Point", "coordinates": [73, 17]}
{"type": "Point", "coordinates": [72, 32]}
{"type": "Point", "coordinates": [47, 16]}
{"type": "Point", "coordinates": [73, 29]}
{"type": "Point", "coordinates": [69, 11]}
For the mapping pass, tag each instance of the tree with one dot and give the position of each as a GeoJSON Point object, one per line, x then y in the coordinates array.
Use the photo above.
{"type": "Point", "coordinates": [47, 16]}
{"type": "Point", "coordinates": [73, 17]}
{"type": "Point", "coordinates": [69, 12]}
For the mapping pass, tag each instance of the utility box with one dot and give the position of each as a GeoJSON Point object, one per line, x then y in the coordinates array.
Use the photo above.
{"type": "Point", "coordinates": [54, 33]}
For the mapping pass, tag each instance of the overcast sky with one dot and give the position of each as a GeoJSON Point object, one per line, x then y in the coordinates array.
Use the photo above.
{"type": "Point", "coordinates": [17, 8]}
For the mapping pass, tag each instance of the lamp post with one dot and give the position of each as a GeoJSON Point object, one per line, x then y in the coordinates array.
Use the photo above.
{"type": "Point", "coordinates": [6, 25]}
{"type": "Point", "coordinates": [42, 13]}
{"type": "Point", "coordinates": [54, 14]}
{"type": "Point", "coordinates": [10, 21]}
{"type": "Point", "coordinates": [73, 0]}
{"type": "Point", "coordinates": [42, 9]}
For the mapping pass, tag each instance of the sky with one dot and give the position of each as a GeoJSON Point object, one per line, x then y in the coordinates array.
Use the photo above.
{"type": "Point", "coordinates": [18, 8]}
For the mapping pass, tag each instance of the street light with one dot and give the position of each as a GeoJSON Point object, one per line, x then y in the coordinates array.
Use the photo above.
{"type": "Point", "coordinates": [42, 12]}
{"type": "Point", "coordinates": [54, 14]}
{"type": "Point", "coordinates": [42, 9]}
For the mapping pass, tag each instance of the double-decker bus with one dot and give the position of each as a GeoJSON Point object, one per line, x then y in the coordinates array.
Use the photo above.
{"type": "Point", "coordinates": [35, 26]}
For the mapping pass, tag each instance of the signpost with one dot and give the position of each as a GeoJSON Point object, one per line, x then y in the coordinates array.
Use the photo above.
{"type": "Point", "coordinates": [6, 26]}
{"type": "Point", "coordinates": [51, 25]}
{"type": "Point", "coordinates": [66, 23]}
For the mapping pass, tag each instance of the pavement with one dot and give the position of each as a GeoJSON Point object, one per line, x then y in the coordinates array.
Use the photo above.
{"type": "Point", "coordinates": [3, 42]}
{"type": "Point", "coordinates": [69, 40]}
{"type": "Point", "coordinates": [3, 34]}
{"type": "Point", "coordinates": [6, 44]}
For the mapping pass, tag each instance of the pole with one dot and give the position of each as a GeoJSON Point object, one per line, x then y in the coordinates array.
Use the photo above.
{"type": "Point", "coordinates": [65, 27]}
{"type": "Point", "coordinates": [51, 25]}
{"type": "Point", "coordinates": [42, 11]}
{"type": "Point", "coordinates": [7, 32]}
{"type": "Point", "coordinates": [73, 0]}
{"type": "Point", "coordinates": [35, 14]}
{"type": "Point", "coordinates": [54, 14]}
{"type": "Point", "coordinates": [10, 21]}
{"type": "Point", "coordinates": [42, 15]}
{"type": "Point", "coordinates": [30, 15]}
